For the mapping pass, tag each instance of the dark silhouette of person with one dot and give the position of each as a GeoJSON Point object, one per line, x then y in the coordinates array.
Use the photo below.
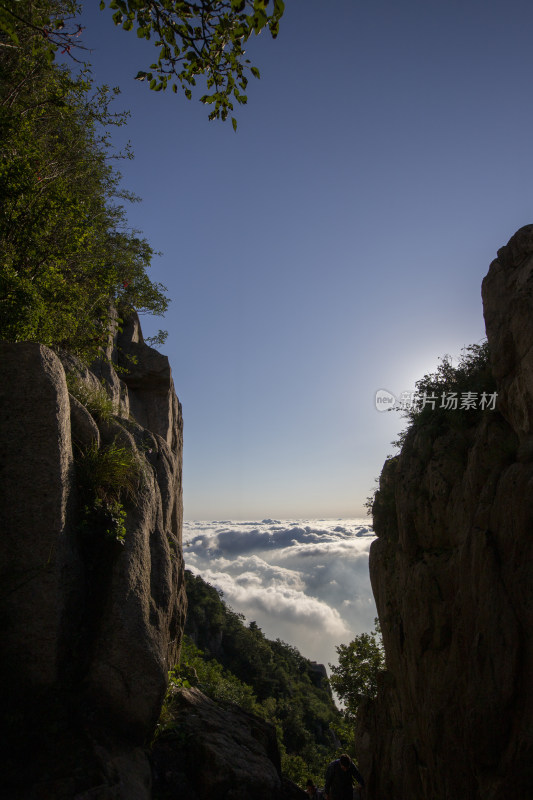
{"type": "Point", "coordinates": [340, 776]}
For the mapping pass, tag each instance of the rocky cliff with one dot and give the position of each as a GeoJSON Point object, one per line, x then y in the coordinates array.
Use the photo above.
{"type": "Point", "coordinates": [452, 576]}
{"type": "Point", "coordinates": [216, 751]}
{"type": "Point", "coordinates": [92, 603]}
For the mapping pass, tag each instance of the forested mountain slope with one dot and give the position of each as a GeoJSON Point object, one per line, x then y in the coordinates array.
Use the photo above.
{"type": "Point", "coordinates": [270, 678]}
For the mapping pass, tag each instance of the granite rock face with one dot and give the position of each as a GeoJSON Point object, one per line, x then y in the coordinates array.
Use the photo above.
{"type": "Point", "coordinates": [90, 627]}
{"type": "Point", "coordinates": [507, 302]}
{"type": "Point", "coordinates": [225, 753]}
{"type": "Point", "coordinates": [36, 467]}
{"type": "Point", "coordinates": [452, 574]}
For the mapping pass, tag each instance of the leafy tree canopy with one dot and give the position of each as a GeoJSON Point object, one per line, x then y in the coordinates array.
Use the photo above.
{"type": "Point", "coordinates": [360, 661]}
{"type": "Point", "coordinates": [66, 253]}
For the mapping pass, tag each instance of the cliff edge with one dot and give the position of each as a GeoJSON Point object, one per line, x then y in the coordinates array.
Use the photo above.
{"type": "Point", "coordinates": [93, 602]}
{"type": "Point", "coordinates": [452, 574]}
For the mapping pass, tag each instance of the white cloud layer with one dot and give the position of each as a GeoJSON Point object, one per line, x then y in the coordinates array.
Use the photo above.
{"type": "Point", "coordinates": [303, 581]}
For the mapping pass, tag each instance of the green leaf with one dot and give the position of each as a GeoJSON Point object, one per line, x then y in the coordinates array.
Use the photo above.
{"type": "Point", "coordinates": [234, 123]}
{"type": "Point", "coordinates": [255, 72]}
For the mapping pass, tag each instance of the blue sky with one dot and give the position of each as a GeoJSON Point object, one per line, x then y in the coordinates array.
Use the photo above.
{"type": "Point", "coordinates": [334, 245]}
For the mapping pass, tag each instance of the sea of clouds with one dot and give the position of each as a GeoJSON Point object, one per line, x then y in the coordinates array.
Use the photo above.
{"type": "Point", "coordinates": [303, 581]}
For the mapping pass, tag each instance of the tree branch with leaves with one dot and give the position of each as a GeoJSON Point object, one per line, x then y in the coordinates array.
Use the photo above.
{"type": "Point", "coordinates": [45, 21]}
{"type": "Point", "coordinates": [193, 39]}
{"type": "Point", "coordinates": [200, 39]}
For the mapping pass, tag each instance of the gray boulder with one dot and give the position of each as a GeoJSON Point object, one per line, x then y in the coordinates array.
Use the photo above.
{"type": "Point", "coordinates": [223, 752]}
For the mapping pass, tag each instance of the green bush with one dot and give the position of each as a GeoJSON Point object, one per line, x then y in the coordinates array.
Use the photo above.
{"type": "Point", "coordinates": [95, 398]}
{"type": "Point", "coordinates": [430, 417]}
{"type": "Point", "coordinates": [472, 374]}
{"type": "Point", "coordinates": [194, 669]}
{"type": "Point", "coordinates": [106, 516]}
{"type": "Point", "coordinates": [212, 679]}
{"type": "Point", "coordinates": [110, 472]}
{"type": "Point", "coordinates": [106, 475]}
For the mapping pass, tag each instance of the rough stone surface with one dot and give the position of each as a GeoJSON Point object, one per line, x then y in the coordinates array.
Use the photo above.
{"type": "Point", "coordinates": [35, 474]}
{"type": "Point", "coordinates": [224, 753]}
{"type": "Point", "coordinates": [90, 628]}
{"type": "Point", "coordinates": [151, 392]}
{"type": "Point", "coordinates": [452, 576]}
{"type": "Point", "coordinates": [508, 300]}
{"type": "Point", "coordinates": [84, 429]}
